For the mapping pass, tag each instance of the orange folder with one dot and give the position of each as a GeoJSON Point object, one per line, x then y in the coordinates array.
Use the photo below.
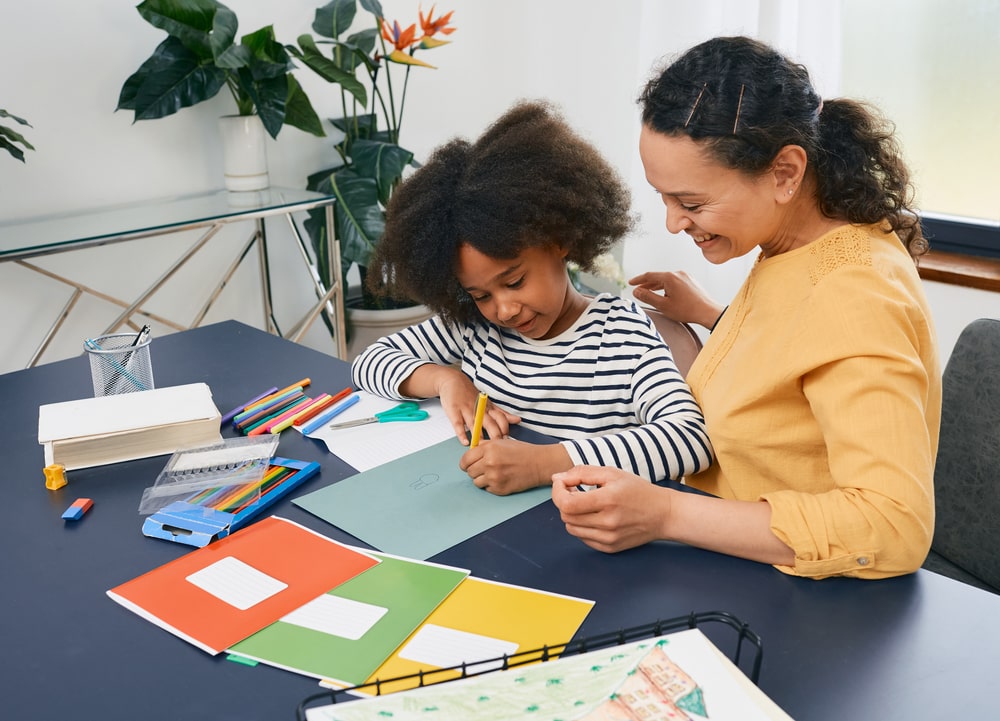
{"type": "Point", "coordinates": [274, 565]}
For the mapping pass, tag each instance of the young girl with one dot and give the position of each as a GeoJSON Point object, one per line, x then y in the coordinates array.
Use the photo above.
{"type": "Point", "coordinates": [481, 234]}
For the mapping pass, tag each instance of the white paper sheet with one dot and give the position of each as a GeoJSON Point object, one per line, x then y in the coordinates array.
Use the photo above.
{"type": "Point", "coordinates": [444, 647]}
{"type": "Point", "coordinates": [365, 447]}
{"type": "Point", "coordinates": [337, 616]}
{"type": "Point", "coordinates": [237, 583]}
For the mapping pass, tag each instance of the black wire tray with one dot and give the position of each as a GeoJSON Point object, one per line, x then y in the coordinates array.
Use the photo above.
{"type": "Point", "coordinates": [744, 638]}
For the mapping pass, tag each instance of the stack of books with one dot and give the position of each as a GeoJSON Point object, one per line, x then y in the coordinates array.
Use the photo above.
{"type": "Point", "coordinates": [109, 429]}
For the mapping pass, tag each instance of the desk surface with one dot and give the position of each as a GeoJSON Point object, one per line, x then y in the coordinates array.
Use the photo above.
{"type": "Point", "coordinates": [71, 231]}
{"type": "Point", "coordinates": [917, 647]}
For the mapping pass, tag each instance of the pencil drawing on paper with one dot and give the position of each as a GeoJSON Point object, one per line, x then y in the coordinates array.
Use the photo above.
{"type": "Point", "coordinates": [425, 480]}
{"type": "Point", "coordinates": [657, 689]}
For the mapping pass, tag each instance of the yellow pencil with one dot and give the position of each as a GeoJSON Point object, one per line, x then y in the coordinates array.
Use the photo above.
{"type": "Point", "coordinates": [477, 427]}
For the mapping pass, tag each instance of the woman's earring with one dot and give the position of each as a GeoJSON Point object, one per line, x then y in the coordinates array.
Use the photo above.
{"type": "Point", "coordinates": [791, 190]}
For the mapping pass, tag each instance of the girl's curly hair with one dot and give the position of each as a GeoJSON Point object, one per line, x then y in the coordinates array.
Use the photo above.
{"type": "Point", "coordinates": [745, 101]}
{"type": "Point", "coordinates": [529, 180]}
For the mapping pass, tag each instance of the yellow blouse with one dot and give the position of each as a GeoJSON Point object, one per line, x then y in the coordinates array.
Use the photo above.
{"type": "Point", "coordinates": [821, 387]}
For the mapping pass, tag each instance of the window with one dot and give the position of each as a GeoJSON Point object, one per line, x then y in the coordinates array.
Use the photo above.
{"type": "Point", "coordinates": [933, 66]}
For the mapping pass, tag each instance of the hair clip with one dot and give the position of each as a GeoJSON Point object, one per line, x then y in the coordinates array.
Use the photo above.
{"type": "Point", "coordinates": [739, 107]}
{"type": "Point", "coordinates": [695, 106]}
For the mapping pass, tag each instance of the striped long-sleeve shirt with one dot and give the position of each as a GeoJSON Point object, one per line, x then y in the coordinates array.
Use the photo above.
{"type": "Point", "coordinates": [607, 387]}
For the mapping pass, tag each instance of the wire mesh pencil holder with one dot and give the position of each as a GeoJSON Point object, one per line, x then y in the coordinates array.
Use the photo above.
{"type": "Point", "coordinates": [119, 363]}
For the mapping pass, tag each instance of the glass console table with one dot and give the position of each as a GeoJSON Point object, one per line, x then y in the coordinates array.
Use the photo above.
{"type": "Point", "coordinates": [22, 240]}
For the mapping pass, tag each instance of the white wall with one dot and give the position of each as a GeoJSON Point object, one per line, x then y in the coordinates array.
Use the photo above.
{"type": "Point", "coordinates": [590, 58]}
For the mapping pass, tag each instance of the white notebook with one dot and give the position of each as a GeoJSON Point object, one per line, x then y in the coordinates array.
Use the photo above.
{"type": "Point", "coordinates": [126, 426]}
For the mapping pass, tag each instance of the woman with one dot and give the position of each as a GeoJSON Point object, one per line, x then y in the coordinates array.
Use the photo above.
{"type": "Point", "coordinates": [820, 383]}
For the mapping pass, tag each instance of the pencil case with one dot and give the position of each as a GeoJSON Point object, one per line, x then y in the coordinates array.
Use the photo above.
{"type": "Point", "coordinates": [199, 520]}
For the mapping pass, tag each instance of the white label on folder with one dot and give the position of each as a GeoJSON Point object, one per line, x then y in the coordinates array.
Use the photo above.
{"type": "Point", "coordinates": [236, 583]}
{"type": "Point", "coordinates": [444, 647]}
{"type": "Point", "coordinates": [337, 616]}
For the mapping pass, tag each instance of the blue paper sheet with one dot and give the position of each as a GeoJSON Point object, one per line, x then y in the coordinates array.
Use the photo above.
{"type": "Point", "coordinates": [418, 505]}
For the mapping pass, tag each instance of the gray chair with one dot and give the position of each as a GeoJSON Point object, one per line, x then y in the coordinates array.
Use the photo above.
{"type": "Point", "coordinates": [684, 343]}
{"type": "Point", "coordinates": [966, 543]}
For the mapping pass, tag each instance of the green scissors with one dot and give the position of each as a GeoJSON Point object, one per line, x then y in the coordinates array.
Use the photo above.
{"type": "Point", "coordinates": [406, 411]}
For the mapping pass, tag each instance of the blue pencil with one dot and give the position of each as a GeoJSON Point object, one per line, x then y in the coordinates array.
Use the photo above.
{"type": "Point", "coordinates": [339, 408]}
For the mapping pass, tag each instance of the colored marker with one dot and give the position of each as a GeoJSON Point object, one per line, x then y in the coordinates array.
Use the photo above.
{"type": "Point", "coordinates": [288, 418]}
{"type": "Point", "coordinates": [332, 413]}
{"type": "Point", "coordinates": [276, 414]}
{"type": "Point", "coordinates": [300, 385]}
{"type": "Point", "coordinates": [240, 408]}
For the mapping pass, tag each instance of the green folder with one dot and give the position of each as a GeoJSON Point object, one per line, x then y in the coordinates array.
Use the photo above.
{"type": "Point", "coordinates": [387, 602]}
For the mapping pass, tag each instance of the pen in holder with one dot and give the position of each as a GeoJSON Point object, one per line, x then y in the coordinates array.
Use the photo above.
{"type": "Point", "coordinates": [120, 362]}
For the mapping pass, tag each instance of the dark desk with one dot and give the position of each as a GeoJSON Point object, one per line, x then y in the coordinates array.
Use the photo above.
{"type": "Point", "coordinates": [918, 647]}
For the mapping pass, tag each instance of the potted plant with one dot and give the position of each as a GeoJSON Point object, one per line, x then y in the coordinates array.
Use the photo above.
{"type": "Point", "coordinates": [200, 56]}
{"type": "Point", "coordinates": [10, 139]}
{"type": "Point", "coordinates": [372, 69]}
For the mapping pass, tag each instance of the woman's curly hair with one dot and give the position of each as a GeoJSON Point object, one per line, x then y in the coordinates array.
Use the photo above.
{"type": "Point", "coordinates": [529, 180]}
{"type": "Point", "coordinates": [745, 102]}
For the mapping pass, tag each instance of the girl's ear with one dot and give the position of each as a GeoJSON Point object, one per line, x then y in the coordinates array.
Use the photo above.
{"type": "Point", "coordinates": [788, 169]}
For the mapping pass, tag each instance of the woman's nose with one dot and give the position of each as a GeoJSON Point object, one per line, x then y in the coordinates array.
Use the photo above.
{"type": "Point", "coordinates": [677, 221]}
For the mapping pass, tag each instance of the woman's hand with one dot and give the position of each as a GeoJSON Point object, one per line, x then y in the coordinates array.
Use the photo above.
{"type": "Point", "coordinates": [505, 465]}
{"type": "Point", "coordinates": [617, 510]}
{"type": "Point", "coordinates": [622, 511]}
{"type": "Point", "coordinates": [677, 296]}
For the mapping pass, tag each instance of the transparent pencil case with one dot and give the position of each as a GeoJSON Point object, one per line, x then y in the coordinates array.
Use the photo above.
{"type": "Point", "coordinates": [227, 475]}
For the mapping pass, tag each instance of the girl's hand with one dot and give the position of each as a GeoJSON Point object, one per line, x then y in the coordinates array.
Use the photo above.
{"type": "Point", "coordinates": [609, 509]}
{"type": "Point", "coordinates": [505, 465]}
{"type": "Point", "coordinates": [459, 397]}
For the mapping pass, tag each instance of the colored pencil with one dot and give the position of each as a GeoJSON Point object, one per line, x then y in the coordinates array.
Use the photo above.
{"type": "Point", "coordinates": [477, 426]}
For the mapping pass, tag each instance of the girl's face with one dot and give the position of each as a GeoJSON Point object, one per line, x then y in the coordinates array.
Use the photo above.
{"type": "Point", "coordinates": [725, 212]}
{"type": "Point", "coordinates": [530, 293]}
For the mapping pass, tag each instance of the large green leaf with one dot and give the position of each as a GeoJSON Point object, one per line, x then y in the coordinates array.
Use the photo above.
{"type": "Point", "coordinates": [269, 57]}
{"type": "Point", "coordinates": [384, 162]}
{"type": "Point", "coordinates": [359, 218]}
{"type": "Point", "coordinates": [206, 27]}
{"type": "Point", "coordinates": [269, 96]}
{"type": "Point", "coordinates": [171, 79]}
{"type": "Point", "coordinates": [328, 69]}
{"type": "Point", "coordinates": [235, 57]}
{"type": "Point", "coordinates": [334, 18]}
{"type": "Point", "coordinates": [374, 7]}
{"type": "Point", "coordinates": [299, 112]}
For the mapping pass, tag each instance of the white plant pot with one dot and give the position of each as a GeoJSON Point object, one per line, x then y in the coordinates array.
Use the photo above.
{"type": "Point", "coordinates": [244, 152]}
{"type": "Point", "coordinates": [367, 326]}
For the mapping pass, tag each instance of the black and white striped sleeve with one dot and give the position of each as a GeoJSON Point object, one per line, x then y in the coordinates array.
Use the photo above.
{"type": "Point", "coordinates": [386, 363]}
{"type": "Point", "coordinates": [672, 441]}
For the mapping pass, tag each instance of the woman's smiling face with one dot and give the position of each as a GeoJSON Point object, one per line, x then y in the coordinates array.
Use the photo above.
{"type": "Point", "coordinates": [726, 212]}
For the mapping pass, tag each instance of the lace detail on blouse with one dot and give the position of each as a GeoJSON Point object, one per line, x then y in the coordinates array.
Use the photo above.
{"type": "Point", "coordinates": [849, 245]}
